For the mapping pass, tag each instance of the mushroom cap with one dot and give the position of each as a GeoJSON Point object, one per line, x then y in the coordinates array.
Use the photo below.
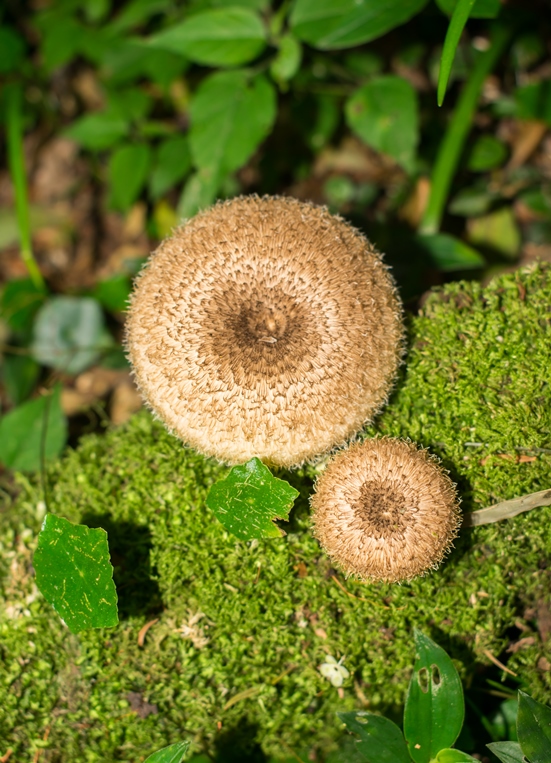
{"type": "Point", "coordinates": [385, 510]}
{"type": "Point", "coordinates": [265, 327]}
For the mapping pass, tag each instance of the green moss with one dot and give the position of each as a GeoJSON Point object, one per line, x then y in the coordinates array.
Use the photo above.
{"type": "Point", "coordinates": [264, 615]}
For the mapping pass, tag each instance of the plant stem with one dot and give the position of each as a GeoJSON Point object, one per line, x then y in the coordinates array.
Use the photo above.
{"type": "Point", "coordinates": [452, 145]}
{"type": "Point", "coordinates": [16, 160]}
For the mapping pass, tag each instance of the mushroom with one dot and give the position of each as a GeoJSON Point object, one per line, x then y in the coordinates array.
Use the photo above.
{"type": "Point", "coordinates": [265, 327]}
{"type": "Point", "coordinates": [385, 510]}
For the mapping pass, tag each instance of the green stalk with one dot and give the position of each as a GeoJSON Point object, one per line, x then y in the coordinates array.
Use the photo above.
{"type": "Point", "coordinates": [16, 159]}
{"type": "Point", "coordinates": [452, 145]}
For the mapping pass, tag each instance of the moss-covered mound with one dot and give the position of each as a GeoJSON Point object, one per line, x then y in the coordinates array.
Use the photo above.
{"type": "Point", "coordinates": [242, 627]}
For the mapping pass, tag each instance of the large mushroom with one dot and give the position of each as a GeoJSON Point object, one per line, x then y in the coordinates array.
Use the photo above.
{"type": "Point", "coordinates": [385, 510]}
{"type": "Point", "coordinates": [265, 327]}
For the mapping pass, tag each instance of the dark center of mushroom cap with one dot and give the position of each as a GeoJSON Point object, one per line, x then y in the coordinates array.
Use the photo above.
{"type": "Point", "coordinates": [382, 509]}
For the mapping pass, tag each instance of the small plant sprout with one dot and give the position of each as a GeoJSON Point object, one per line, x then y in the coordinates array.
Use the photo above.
{"type": "Point", "coordinates": [334, 671]}
{"type": "Point", "coordinates": [265, 327]}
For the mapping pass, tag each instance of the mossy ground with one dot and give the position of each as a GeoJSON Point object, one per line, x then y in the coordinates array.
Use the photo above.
{"type": "Point", "coordinates": [243, 627]}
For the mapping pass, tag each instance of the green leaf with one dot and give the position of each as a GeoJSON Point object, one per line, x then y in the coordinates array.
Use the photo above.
{"type": "Point", "coordinates": [534, 729]}
{"type": "Point", "coordinates": [172, 163]}
{"type": "Point", "coordinates": [113, 293]}
{"type": "Point", "coordinates": [434, 711]}
{"type": "Point", "coordinates": [19, 303]}
{"type": "Point", "coordinates": [230, 116]}
{"type": "Point", "coordinates": [219, 37]}
{"type": "Point", "coordinates": [128, 168]}
{"type": "Point", "coordinates": [533, 101]}
{"type": "Point", "coordinates": [30, 427]}
{"type": "Point", "coordinates": [199, 192]}
{"type": "Point", "coordinates": [458, 20]}
{"type": "Point", "coordinates": [384, 114]}
{"type": "Point", "coordinates": [487, 153]}
{"type": "Point", "coordinates": [334, 24]}
{"type": "Point", "coordinates": [19, 374]}
{"type": "Point", "coordinates": [97, 131]}
{"type": "Point", "coordinates": [74, 574]}
{"type": "Point", "coordinates": [381, 741]}
{"type": "Point", "coordinates": [287, 62]}
{"type": "Point", "coordinates": [482, 9]}
{"type": "Point", "coordinates": [249, 499]}
{"type": "Point", "coordinates": [173, 754]}
{"type": "Point", "coordinates": [507, 752]}
{"type": "Point", "coordinates": [12, 46]}
{"type": "Point", "coordinates": [498, 230]}
{"type": "Point", "coordinates": [454, 756]}
{"type": "Point", "coordinates": [449, 253]}
{"type": "Point", "coordinates": [69, 333]}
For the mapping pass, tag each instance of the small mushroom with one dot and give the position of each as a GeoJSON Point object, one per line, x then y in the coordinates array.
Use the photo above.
{"type": "Point", "coordinates": [385, 510]}
{"type": "Point", "coordinates": [265, 327]}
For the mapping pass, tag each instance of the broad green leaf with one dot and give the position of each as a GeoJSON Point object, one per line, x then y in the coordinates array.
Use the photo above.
{"type": "Point", "coordinates": [12, 46]}
{"type": "Point", "coordinates": [381, 741]}
{"type": "Point", "coordinates": [74, 574]}
{"type": "Point", "coordinates": [449, 253]}
{"type": "Point", "coordinates": [230, 116]}
{"type": "Point", "coordinates": [249, 499]}
{"type": "Point", "coordinates": [136, 12]}
{"type": "Point", "coordinates": [454, 756]}
{"type": "Point", "coordinates": [172, 163]}
{"type": "Point", "coordinates": [334, 24]}
{"type": "Point", "coordinates": [458, 20]}
{"type": "Point", "coordinates": [487, 153]}
{"type": "Point", "coordinates": [113, 293]}
{"type": "Point", "coordinates": [498, 230]}
{"type": "Point", "coordinates": [434, 711]}
{"type": "Point", "coordinates": [199, 192]}
{"type": "Point", "coordinates": [219, 37]}
{"type": "Point", "coordinates": [97, 131]}
{"type": "Point", "coordinates": [30, 428]}
{"type": "Point", "coordinates": [173, 754]}
{"type": "Point", "coordinates": [128, 167]}
{"type": "Point", "coordinates": [507, 752]}
{"type": "Point", "coordinates": [130, 103]}
{"type": "Point", "coordinates": [69, 333]}
{"type": "Point", "coordinates": [472, 201]}
{"type": "Point", "coordinates": [482, 9]}
{"type": "Point", "coordinates": [534, 729]}
{"type": "Point", "coordinates": [384, 114]}
{"type": "Point", "coordinates": [133, 58]}
{"type": "Point", "coordinates": [19, 303]}
{"type": "Point", "coordinates": [287, 62]}
{"type": "Point", "coordinates": [19, 374]}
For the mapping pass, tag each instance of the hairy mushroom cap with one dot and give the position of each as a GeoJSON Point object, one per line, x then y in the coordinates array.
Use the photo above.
{"type": "Point", "coordinates": [265, 327]}
{"type": "Point", "coordinates": [385, 510]}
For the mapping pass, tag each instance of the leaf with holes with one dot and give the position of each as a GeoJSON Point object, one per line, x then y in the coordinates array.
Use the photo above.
{"type": "Point", "coordinates": [249, 499]}
{"type": "Point", "coordinates": [172, 754]}
{"type": "Point", "coordinates": [507, 752]}
{"type": "Point", "coordinates": [74, 574]}
{"type": "Point", "coordinates": [381, 741]}
{"type": "Point", "coordinates": [534, 729]}
{"type": "Point", "coordinates": [434, 711]}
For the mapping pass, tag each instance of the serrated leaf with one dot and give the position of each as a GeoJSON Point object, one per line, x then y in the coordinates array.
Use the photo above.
{"type": "Point", "coordinates": [74, 574]}
{"type": "Point", "coordinates": [172, 754]}
{"type": "Point", "coordinates": [449, 253]}
{"type": "Point", "coordinates": [335, 24]}
{"type": "Point", "coordinates": [128, 168]}
{"type": "Point", "coordinates": [454, 756]}
{"type": "Point", "coordinates": [434, 711]}
{"type": "Point", "coordinates": [69, 333]}
{"type": "Point", "coordinates": [384, 114]}
{"type": "Point", "coordinates": [27, 429]}
{"type": "Point", "coordinates": [218, 37]}
{"type": "Point", "coordinates": [381, 741]}
{"type": "Point", "coordinates": [507, 752]}
{"type": "Point", "coordinates": [230, 115]}
{"type": "Point", "coordinates": [249, 499]}
{"type": "Point", "coordinates": [534, 729]}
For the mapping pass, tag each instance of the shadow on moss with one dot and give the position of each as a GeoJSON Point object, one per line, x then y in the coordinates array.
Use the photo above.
{"type": "Point", "coordinates": [130, 545]}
